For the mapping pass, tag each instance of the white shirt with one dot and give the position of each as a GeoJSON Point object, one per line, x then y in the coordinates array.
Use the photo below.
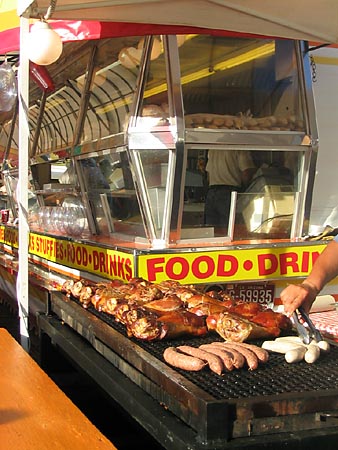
{"type": "Point", "coordinates": [225, 166]}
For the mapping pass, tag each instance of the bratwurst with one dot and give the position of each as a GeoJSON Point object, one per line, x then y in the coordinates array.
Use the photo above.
{"type": "Point", "coordinates": [215, 362]}
{"type": "Point", "coordinates": [236, 358]}
{"type": "Point", "coordinates": [183, 361]}
{"type": "Point", "coordinates": [222, 353]}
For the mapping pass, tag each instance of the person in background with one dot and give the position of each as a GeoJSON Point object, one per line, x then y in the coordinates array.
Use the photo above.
{"type": "Point", "coordinates": [324, 270]}
{"type": "Point", "coordinates": [227, 171]}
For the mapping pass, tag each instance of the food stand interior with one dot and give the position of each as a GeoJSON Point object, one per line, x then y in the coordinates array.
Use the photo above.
{"type": "Point", "coordinates": [120, 130]}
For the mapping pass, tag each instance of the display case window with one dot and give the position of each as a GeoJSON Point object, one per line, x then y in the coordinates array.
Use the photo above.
{"type": "Point", "coordinates": [154, 106]}
{"type": "Point", "coordinates": [59, 120]}
{"type": "Point", "coordinates": [153, 178]}
{"type": "Point", "coordinates": [11, 180]}
{"type": "Point", "coordinates": [240, 84]}
{"type": "Point", "coordinates": [264, 207]}
{"type": "Point", "coordinates": [109, 188]}
{"type": "Point", "coordinates": [93, 96]}
{"type": "Point", "coordinates": [111, 96]}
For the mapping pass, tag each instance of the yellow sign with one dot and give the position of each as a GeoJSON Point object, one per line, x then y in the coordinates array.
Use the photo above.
{"type": "Point", "coordinates": [217, 266]}
{"type": "Point", "coordinates": [9, 236]}
{"type": "Point", "coordinates": [230, 265]}
{"type": "Point", "coordinates": [100, 261]}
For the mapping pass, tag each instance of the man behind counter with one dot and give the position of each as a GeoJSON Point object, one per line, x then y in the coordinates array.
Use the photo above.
{"type": "Point", "coordinates": [228, 171]}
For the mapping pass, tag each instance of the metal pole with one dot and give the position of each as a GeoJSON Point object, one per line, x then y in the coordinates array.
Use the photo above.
{"type": "Point", "coordinates": [22, 194]}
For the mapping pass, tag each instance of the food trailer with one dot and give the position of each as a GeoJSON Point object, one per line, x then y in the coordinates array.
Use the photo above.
{"type": "Point", "coordinates": [120, 129]}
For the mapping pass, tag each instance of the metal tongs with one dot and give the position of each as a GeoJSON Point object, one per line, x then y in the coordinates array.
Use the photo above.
{"type": "Point", "coordinates": [309, 332]}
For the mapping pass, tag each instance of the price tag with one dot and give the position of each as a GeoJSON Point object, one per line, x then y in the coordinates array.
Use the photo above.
{"type": "Point", "coordinates": [258, 293]}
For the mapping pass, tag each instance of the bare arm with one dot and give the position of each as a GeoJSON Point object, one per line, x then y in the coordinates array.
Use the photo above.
{"type": "Point", "coordinates": [323, 271]}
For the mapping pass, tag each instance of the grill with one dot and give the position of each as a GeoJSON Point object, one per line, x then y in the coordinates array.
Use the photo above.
{"type": "Point", "coordinates": [276, 377]}
{"type": "Point", "coordinates": [276, 398]}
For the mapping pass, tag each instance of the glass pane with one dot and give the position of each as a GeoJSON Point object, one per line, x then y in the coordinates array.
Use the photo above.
{"type": "Point", "coordinates": [153, 175]}
{"type": "Point", "coordinates": [239, 83]}
{"type": "Point", "coordinates": [111, 97]}
{"type": "Point", "coordinates": [111, 194]}
{"type": "Point", "coordinates": [155, 111]}
{"type": "Point", "coordinates": [268, 195]}
{"type": "Point", "coordinates": [195, 190]}
{"type": "Point", "coordinates": [111, 92]}
{"type": "Point", "coordinates": [268, 213]}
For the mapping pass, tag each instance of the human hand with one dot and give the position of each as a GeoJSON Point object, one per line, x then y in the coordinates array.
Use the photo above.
{"type": "Point", "coordinates": [294, 296]}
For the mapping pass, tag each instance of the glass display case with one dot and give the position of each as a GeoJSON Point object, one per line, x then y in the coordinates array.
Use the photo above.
{"type": "Point", "coordinates": [226, 96]}
{"type": "Point", "coordinates": [137, 120]}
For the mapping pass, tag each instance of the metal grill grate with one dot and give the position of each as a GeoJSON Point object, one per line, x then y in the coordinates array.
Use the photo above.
{"type": "Point", "coordinates": [274, 378]}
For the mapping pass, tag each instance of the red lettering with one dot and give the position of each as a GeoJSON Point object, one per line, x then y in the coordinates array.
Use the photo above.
{"type": "Point", "coordinates": [314, 257]}
{"type": "Point", "coordinates": [120, 266]}
{"type": "Point", "coordinates": [78, 255]}
{"type": "Point", "coordinates": [182, 268]}
{"type": "Point", "coordinates": [50, 247]}
{"type": "Point", "coordinates": [113, 265]}
{"type": "Point", "coordinates": [196, 267]}
{"type": "Point", "coordinates": [128, 269]}
{"type": "Point", "coordinates": [289, 260]}
{"type": "Point", "coordinates": [95, 260]}
{"type": "Point", "coordinates": [31, 242]}
{"type": "Point", "coordinates": [70, 253]}
{"type": "Point", "coordinates": [61, 254]}
{"type": "Point", "coordinates": [267, 264]}
{"type": "Point", "coordinates": [58, 250]}
{"type": "Point", "coordinates": [102, 263]}
{"type": "Point", "coordinates": [227, 260]}
{"type": "Point", "coordinates": [154, 266]}
{"type": "Point", "coordinates": [43, 244]}
{"type": "Point", "coordinates": [305, 262]}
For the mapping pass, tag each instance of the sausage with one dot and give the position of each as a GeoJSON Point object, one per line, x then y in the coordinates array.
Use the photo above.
{"type": "Point", "coordinates": [237, 358]}
{"type": "Point", "coordinates": [294, 339]}
{"type": "Point", "coordinates": [261, 353]}
{"type": "Point", "coordinates": [312, 353]}
{"type": "Point", "coordinates": [295, 355]}
{"type": "Point", "coordinates": [324, 346]}
{"type": "Point", "coordinates": [249, 355]}
{"type": "Point", "coordinates": [182, 361]}
{"type": "Point", "coordinates": [222, 353]}
{"type": "Point", "coordinates": [215, 362]}
{"type": "Point", "coordinates": [281, 346]}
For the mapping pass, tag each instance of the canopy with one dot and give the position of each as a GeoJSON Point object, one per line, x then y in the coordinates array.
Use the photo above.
{"type": "Point", "coordinates": [310, 20]}
{"type": "Point", "coordinates": [73, 30]}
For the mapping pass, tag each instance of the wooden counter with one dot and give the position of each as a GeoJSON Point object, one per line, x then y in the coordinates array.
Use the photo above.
{"type": "Point", "coordinates": [34, 412]}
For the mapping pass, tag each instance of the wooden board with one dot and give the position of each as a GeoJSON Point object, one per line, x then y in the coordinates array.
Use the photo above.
{"type": "Point", "coordinates": [34, 412]}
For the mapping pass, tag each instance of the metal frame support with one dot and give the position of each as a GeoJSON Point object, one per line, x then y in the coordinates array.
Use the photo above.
{"type": "Point", "coordinates": [22, 277]}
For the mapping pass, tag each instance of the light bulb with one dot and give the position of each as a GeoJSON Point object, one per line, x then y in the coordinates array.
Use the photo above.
{"type": "Point", "coordinates": [44, 44]}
